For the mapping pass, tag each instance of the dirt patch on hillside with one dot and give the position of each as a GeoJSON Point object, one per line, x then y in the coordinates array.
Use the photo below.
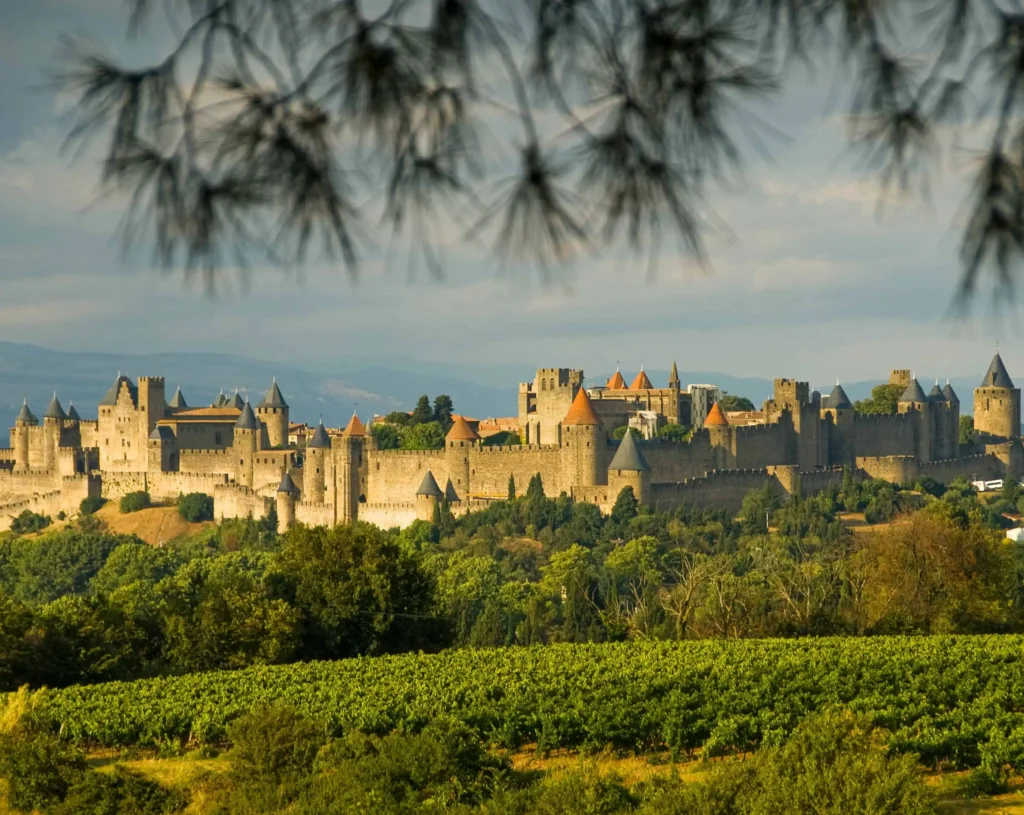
{"type": "Point", "coordinates": [156, 525]}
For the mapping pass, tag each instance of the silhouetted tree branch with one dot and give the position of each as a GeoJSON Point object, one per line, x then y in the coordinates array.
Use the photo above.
{"type": "Point", "coordinates": [274, 126]}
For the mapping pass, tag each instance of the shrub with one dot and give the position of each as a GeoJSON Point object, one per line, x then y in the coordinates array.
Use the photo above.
{"type": "Point", "coordinates": [40, 769]}
{"type": "Point", "coordinates": [134, 501]}
{"type": "Point", "coordinates": [122, 790]}
{"type": "Point", "coordinates": [91, 504]}
{"type": "Point", "coordinates": [29, 521]}
{"type": "Point", "coordinates": [195, 507]}
{"type": "Point", "coordinates": [274, 744]}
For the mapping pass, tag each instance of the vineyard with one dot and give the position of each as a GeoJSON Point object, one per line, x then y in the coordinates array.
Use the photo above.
{"type": "Point", "coordinates": [952, 700]}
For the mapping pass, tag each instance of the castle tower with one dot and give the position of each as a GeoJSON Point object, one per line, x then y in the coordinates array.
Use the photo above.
{"type": "Point", "coordinates": [629, 468]}
{"type": "Point", "coordinates": [317, 453]}
{"type": "Point", "coordinates": [72, 413]}
{"type": "Point", "coordinates": [940, 415]}
{"type": "Point", "coordinates": [996, 406]}
{"type": "Point", "coordinates": [839, 410]}
{"type": "Point", "coordinates": [53, 422]}
{"type": "Point", "coordinates": [349, 461]}
{"type": "Point", "coordinates": [641, 382]}
{"type": "Point", "coordinates": [246, 443]}
{"type": "Point", "coordinates": [583, 445]}
{"type": "Point", "coordinates": [721, 437]}
{"type": "Point", "coordinates": [954, 418]}
{"type": "Point", "coordinates": [673, 378]}
{"type": "Point", "coordinates": [286, 495]}
{"type": "Point", "coordinates": [177, 401]}
{"type": "Point", "coordinates": [913, 401]}
{"type": "Point", "coordinates": [427, 497]}
{"type": "Point", "coordinates": [616, 383]}
{"type": "Point", "coordinates": [461, 439]}
{"type": "Point", "coordinates": [22, 423]}
{"type": "Point", "coordinates": [152, 407]}
{"type": "Point", "coordinates": [273, 412]}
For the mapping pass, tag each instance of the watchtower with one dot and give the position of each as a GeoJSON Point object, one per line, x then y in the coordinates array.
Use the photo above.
{"type": "Point", "coordinates": [996, 406]}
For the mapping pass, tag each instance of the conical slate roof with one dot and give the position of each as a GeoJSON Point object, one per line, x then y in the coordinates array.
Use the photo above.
{"type": "Point", "coordinates": [950, 394]}
{"type": "Point", "coordinates": [641, 382]}
{"type": "Point", "coordinates": [273, 398]}
{"type": "Point", "coordinates": [461, 431]}
{"type": "Point", "coordinates": [73, 414]}
{"type": "Point", "coordinates": [913, 392]}
{"type": "Point", "coordinates": [935, 394]}
{"type": "Point", "coordinates": [54, 410]}
{"type": "Point", "coordinates": [354, 427]}
{"type": "Point", "coordinates": [838, 400]}
{"type": "Point", "coordinates": [581, 411]}
{"type": "Point", "coordinates": [616, 383]}
{"type": "Point", "coordinates": [247, 419]}
{"type": "Point", "coordinates": [234, 401]}
{"type": "Point", "coordinates": [429, 486]}
{"type": "Point", "coordinates": [320, 440]}
{"type": "Point", "coordinates": [25, 415]}
{"type": "Point", "coordinates": [450, 493]}
{"type": "Point", "coordinates": [287, 485]}
{"type": "Point", "coordinates": [221, 399]}
{"type": "Point", "coordinates": [177, 401]}
{"type": "Point", "coordinates": [628, 456]}
{"type": "Point", "coordinates": [996, 375]}
{"type": "Point", "coordinates": [715, 417]}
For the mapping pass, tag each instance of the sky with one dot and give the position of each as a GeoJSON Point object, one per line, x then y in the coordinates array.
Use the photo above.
{"type": "Point", "coordinates": [809, 280]}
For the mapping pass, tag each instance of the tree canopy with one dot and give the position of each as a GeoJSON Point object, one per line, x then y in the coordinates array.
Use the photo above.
{"type": "Point", "coordinates": [262, 126]}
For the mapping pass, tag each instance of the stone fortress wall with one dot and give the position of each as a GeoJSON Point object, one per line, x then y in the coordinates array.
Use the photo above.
{"type": "Point", "coordinates": [239, 454]}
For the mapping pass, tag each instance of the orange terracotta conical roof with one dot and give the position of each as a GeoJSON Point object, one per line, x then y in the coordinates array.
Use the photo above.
{"type": "Point", "coordinates": [715, 417]}
{"type": "Point", "coordinates": [616, 383]}
{"type": "Point", "coordinates": [354, 427]}
{"type": "Point", "coordinates": [582, 411]}
{"type": "Point", "coordinates": [461, 431]}
{"type": "Point", "coordinates": [641, 383]}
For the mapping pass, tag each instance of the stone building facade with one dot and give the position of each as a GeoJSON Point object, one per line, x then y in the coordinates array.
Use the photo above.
{"type": "Point", "coordinates": [242, 456]}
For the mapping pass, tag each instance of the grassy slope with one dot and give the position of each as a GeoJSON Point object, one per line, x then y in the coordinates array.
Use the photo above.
{"type": "Point", "coordinates": [156, 525]}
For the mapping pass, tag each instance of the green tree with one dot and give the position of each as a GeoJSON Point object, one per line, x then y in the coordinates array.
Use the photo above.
{"type": "Point", "coordinates": [619, 433]}
{"type": "Point", "coordinates": [398, 418]}
{"type": "Point", "coordinates": [535, 489]}
{"type": "Point", "coordinates": [443, 408]}
{"type": "Point", "coordinates": [423, 412]}
{"type": "Point", "coordinates": [625, 508]}
{"type": "Point", "coordinates": [731, 402]}
{"type": "Point", "coordinates": [388, 436]}
{"type": "Point", "coordinates": [29, 521]}
{"type": "Point", "coordinates": [511, 488]}
{"type": "Point", "coordinates": [426, 436]}
{"type": "Point", "coordinates": [359, 592]}
{"type": "Point", "coordinates": [196, 507]}
{"type": "Point", "coordinates": [673, 432]}
{"type": "Point", "coordinates": [757, 508]}
{"type": "Point", "coordinates": [15, 650]}
{"type": "Point", "coordinates": [884, 399]}
{"type": "Point", "coordinates": [966, 434]}
{"type": "Point", "coordinates": [569, 576]}
{"type": "Point", "coordinates": [134, 501]}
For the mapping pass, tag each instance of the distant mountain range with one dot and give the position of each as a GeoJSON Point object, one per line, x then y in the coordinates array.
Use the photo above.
{"type": "Point", "coordinates": [331, 387]}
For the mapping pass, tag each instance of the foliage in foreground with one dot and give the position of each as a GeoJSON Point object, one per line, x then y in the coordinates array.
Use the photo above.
{"type": "Point", "coordinates": [944, 698]}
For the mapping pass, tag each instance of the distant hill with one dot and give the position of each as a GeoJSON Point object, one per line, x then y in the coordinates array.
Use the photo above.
{"type": "Point", "coordinates": [315, 387]}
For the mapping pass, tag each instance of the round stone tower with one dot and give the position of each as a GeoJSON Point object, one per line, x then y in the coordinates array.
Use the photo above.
{"type": "Point", "coordinates": [317, 452]}
{"type": "Point", "coordinates": [914, 402]}
{"type": "Point", "coordinates": [461, 439]}
{"type": "Point", "coordinates": [839, 409]}
{"type": "Point", "coordinates": [53, 422]}
{"type": "Point", "coordinates": [349, 462]}
{"type": "Point", "coordinates": [583, 445]}
{"type": "Point", "coordinates": [273, 412]}
{"type": "Point", "coordinates": [996, 406]}
{"type": "Point", "coordinates": [629, 468]}
{"type": "Point", "coordinates": [286, 495]}
{"type": "Point", "coordinates": [22, 423]}
{"type": "Point", "coordinates": [721, 437]}
{"type": "Point", "coordinates": [247, 429]}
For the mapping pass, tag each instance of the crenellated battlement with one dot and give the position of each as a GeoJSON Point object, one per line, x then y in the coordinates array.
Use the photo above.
{"type": "Point", "coordinates": [506, 449]}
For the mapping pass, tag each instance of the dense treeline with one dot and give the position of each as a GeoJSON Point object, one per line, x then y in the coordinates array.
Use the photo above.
{"type": "Point", "coordinates": [80, 605]}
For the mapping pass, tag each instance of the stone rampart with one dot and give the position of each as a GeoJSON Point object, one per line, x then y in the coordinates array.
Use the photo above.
{"type": "Point", "coordinates": [67, 498]}
{"type": "Point", "coordinates": [393, 476]}
{"type": "Point", "coordinates": [236, 501]}
{"type": "Point", "coordinates": [314, 514]}
{"type": "Point", "coordinates": [387, 516]}
{"type": "Point", "coordinates": [490, 468]}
